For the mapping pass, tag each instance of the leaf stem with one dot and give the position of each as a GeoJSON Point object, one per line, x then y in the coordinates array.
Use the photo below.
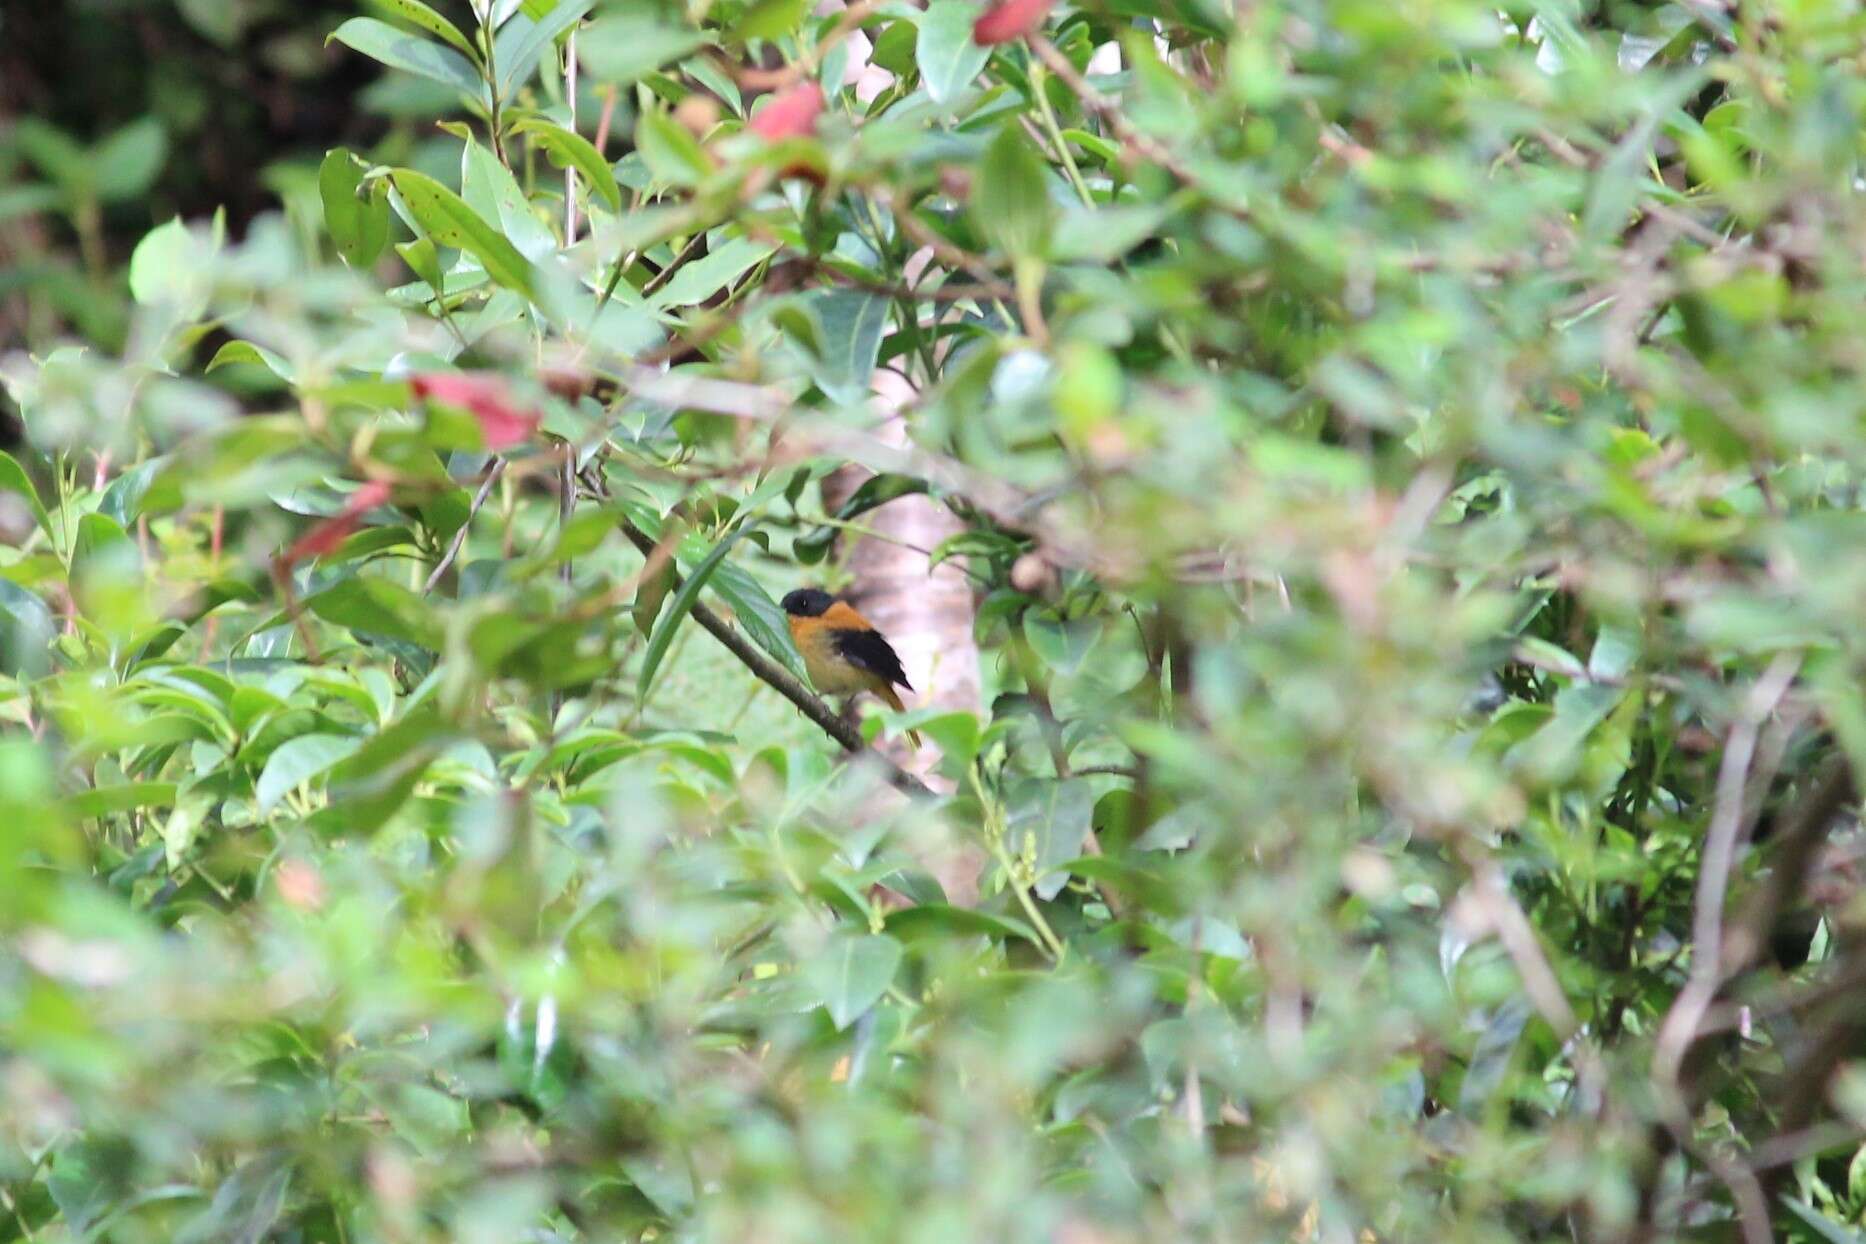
{"type": "Point", "coordinates": [995, 834]}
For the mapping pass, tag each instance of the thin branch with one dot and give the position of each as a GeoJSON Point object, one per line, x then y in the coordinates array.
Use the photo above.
{"type": "Point", "coordinates": [460, 536]}
{"type": "Point", "coordinates": [570, 170]}
{"type": "Point", "coordinates": [948, 254]}
{"type": "Point", "coordinates": [674, 265]}
{"type": "Point", "coordinates": [1721, 840]}
{"type": "Point", "coordinates": [566, 504]}
{"type": "Point", "coordinates": [1796, 840]}
{"type": "Point", "coordinates": [786, 683]}
{"type": "Point", "coordinates": [1518, 936]}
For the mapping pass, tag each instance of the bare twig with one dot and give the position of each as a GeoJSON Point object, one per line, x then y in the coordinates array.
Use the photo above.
{"type": "Point", "coordinates": [1505, 915]}
{"type": "Point", "coordinates": [459, 541]}
{"type": "Point", "coordinates": [602, 122]}
{"type": "Point", "coordinates": [1110, 112]}
{"type": "Point", "coordinates": [1194, 1092]}
{"type": "Point", "coordinates": [948, 254]}
{"type": "Point", "coordinates": [1721, 840]}
{"type": "Point", "coordinates": [674, 265]}
{"type": "Point", "coordinates": [1752, 1207]}
{"type": "Point", "coordinates": [570, 170]}
{"type": "Point", "coordinates": [1792, 1147]}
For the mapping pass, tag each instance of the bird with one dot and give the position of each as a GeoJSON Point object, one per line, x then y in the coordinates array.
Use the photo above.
{"type": "Point", "coordinates": [842, 651]}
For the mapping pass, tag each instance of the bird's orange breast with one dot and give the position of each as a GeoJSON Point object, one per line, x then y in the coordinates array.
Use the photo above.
{"type": "Point", "coordinates": [830, 672]}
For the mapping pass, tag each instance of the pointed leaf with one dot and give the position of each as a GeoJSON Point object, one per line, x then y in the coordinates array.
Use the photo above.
{"type": "Point", "coordinates": [449, 221]}
{"type": "Point", "coordinates": [418, 15]}
{"type": "Point", "coordinates": [521, 43]}
{"type": "Point", "coordinates": [621, 47]}
{"type": "Point", "coordinates": [673, 155]}
{"type": "Point", "coordinates": [359, 227]}
{"type": "Point", "coordinates": [683, 602]}
{"type": "Point", "coordinates": [490, 189]}
{"type": "Point", "coordinates": [945, 52]}
{"type": "Point", "coordinates": [1011, 200]}
{"type": "Point", "coordinates": [852, 973]}
{"type": "Point", "coordinates": [400, 49]}
{"type": "Point", "coordinates": [567, 149]}
{"type": "Point", "coordinates": [297, 761]}
{"type": "Point", "coordinates": [13, 479]}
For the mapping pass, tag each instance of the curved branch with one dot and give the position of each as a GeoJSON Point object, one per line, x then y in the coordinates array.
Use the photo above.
{"type": "Point", "coordinates": [786, 683]}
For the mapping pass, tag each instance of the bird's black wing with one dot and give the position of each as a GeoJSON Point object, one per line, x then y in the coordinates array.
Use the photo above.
{"type": "Point", "coordinates": [868, 650]}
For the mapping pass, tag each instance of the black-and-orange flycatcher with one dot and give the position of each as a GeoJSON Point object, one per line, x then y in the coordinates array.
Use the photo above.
{"type": "Point", "coordinates": [842, 651]}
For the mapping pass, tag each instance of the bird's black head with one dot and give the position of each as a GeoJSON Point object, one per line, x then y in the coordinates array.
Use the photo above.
{"type": "Point", "coordinates": [807, 602]}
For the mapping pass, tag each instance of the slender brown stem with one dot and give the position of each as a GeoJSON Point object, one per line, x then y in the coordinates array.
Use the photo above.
{"type": "Point", "coordinates": [459, 540]}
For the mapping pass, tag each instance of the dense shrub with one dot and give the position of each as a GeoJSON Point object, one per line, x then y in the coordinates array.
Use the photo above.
{"type": "Point", "coordinates": [1408, 463]}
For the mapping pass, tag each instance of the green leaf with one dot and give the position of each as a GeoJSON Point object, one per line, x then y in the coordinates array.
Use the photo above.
{"type": "Point", "coordinates": [948, 58]}
{"type": "Point", "coordinates": [1010, 200]}
{"type": "Point", "coordinates": [449, 221]}
{"type": "Point", "coordinates": [379, 776]}
{"type": "Point", "coordinates": [1552, 752]}
{"type": "Point", "coordinates": [683, 601]}
{"type": "Point", "coordinates": [399, 49]}
{"type": "Point", "coordinates": [415, 14]}
{"type": "Point", "coordinates": [100, 538]}
{"type": "Point", "coordinates": [567, 149]}
{"type": "Point", "coordinates": [851, 974]}
{"type": "Point", "coordinates": [493, 193]}
{"type": "Point", "coordinates": [166, 267]}
{"type": "Point", "coordinates": [955, 734]}
{"type": "Point", "coordinates": [374, 605]}
{"type": "Point", "coordinates": [245, 352]}
{"type": "Point", "coordinates": [705, 277]}
{"type": "Point", "coordinates": [127, 797]}
{"type": "Point", "coordinates": [760, 616]}
{"type": "Point", "coordinates": [56, 154]}
{"type": "Point", "coordinates": [426, 1118]}
{"type": "Point", "coordinates": [873, 491]}
{"type": "Point", "coordinates": [1053, 815]}
{"type": "Point", "coordinates": [673, 155]}
{"type": "Point", "coordinates": [1490, 1059]}
{"type": "Point", "coordinates": [422, 260]}
{"type": "Point", "coordinates": [359, 227]}
{"type": "Point", "coordinates": [13, 479]}
{"type": "Point", "coordinates": [26, 632]}
{"type": "Point", "coordinates": [768, 19]}
{"type": "Point", "coordinates": [928, 920]}
{"type": "Point", "coordinates": [1104, 234]}
{"type": "Point", "coordinates": [122, 502]}
{"type": "Point", "coordinates": [851, 323]}
{"type": "Point", "coordinates": [86, 1177]}
{"type": "Point", "coordinates": [521, 42]}
{"type": "Point", "coordinates": [246, 1205]}
{"type": "Point", "coordinates": [296, 761]}
{"type": "Point", "coordinates": [1821, 1224]}
{"type": "Point", "coordinates": [26, 200]}
{"type": "Point", "coordinates": [128, 161]}
{"type": "Point", "coordinates": [622, 47]}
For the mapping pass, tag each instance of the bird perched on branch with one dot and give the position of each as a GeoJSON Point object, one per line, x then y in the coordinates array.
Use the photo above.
{"type": "Point", "coordinates": [842, 651]}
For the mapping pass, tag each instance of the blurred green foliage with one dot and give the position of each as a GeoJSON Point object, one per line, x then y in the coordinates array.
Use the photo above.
{"type": "Point", "coordinates": [1409, 464]}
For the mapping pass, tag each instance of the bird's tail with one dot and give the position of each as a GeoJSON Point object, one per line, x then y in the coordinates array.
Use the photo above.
{"type": "Point", "coordinates": [893, 701]}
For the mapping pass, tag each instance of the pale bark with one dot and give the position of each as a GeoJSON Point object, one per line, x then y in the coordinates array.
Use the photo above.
{"type": "Point", "coordinates": [927, 615]}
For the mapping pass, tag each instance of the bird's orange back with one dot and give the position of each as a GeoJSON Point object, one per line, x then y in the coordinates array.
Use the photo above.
{"type": "Point", "coordinates": [843, 616]}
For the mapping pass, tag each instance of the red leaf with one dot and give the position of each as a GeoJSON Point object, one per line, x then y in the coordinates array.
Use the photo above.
{"type": "Point", "coordinates": [1011, 20]}
{"type": "Point", "coordinates": [503, 423]}
{"type": "Point", "coordinates": [792, 114]}
{"type": "Point", "coordinates": [327, 535]}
